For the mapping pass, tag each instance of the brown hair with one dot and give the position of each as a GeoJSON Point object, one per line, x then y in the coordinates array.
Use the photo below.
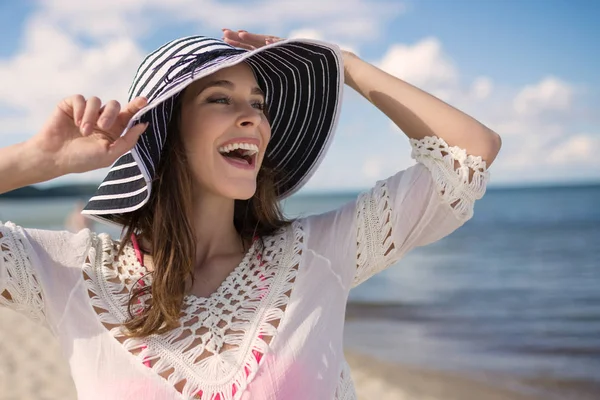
{"type": "Point", "coordinates": [163, 223]}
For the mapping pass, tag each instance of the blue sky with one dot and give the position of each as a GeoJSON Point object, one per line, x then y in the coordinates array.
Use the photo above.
{"type": "Point", "coordinates": [528, 69]}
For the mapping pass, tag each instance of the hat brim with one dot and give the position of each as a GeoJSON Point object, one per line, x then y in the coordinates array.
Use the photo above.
{"type": "Point", "coordinates": [303, 83]}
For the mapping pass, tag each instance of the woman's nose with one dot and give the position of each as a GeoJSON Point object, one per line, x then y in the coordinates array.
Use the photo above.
{"type": "Point", "coordinates": [249, 116]}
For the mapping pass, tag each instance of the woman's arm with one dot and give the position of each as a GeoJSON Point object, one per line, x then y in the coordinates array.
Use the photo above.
{"type": "Point", "coordinates": [80, 135]}
{"type": "Point", "coordinates": [418, 113]}
{"type": "Point", "coordinates": [416, 206]}
{"type": "Point", "coordinates": [21, 165]}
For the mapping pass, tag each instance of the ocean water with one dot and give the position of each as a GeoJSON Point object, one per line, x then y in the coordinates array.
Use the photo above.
{"type": "Point", "coordinates": [515, 291]}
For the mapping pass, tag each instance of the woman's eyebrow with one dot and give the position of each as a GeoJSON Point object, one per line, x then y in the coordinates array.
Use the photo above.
{"type": "Point", "coordinates": [229, 85]}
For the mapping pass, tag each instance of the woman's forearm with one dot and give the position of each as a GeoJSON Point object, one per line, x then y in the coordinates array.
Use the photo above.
{"type": "Point", "coordinates": [418, 113]}
{"type": "Point", "coordinates": [22, 165]}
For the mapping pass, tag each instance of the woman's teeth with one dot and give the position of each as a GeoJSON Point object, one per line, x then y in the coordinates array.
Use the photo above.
{"type": "Point", "coordinates": [250, 149]}
{"type": "Point", "coordinates": [240, 153]}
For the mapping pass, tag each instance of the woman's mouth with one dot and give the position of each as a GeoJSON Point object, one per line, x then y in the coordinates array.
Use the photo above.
{"type": "Point", "coordinates": [241, 155]}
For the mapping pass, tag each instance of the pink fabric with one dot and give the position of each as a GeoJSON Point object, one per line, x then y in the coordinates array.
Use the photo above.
{"type": "Point", "coordinates": [140, 258]}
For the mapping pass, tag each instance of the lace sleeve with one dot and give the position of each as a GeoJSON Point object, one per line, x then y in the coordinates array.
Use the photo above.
{"type": "Point", "coordinates": [20, 288]}
{"type": "Point", "coordinates": [417, 206]}
{"type": "Point", "coordinates": [460, 178]}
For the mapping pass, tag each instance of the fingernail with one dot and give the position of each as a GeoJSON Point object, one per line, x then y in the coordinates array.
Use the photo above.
{"type": "Point", "coordinates": [241, 30]}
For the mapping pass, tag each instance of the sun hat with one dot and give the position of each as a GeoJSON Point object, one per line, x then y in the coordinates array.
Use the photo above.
{"type": "Point", "coordinates": [302, 80]}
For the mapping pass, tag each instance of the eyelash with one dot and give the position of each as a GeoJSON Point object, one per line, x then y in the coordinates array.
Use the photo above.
{"type": "Point", "coordinates": [261, 104]}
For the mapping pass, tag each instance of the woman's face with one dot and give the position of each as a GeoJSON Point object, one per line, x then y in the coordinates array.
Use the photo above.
{"type": "Point", "coordinates": [225, 132]}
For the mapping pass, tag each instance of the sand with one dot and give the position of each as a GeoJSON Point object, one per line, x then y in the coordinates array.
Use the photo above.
{"type": "Point", "coordinates": [375, 379]}
{"type": "Point", "coordinates": [32, 368]}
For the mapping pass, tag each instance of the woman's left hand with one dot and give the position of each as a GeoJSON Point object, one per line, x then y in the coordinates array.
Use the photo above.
{"type": "Point", "coordinates": [247, 40]}
{"type": "Point", "coordinates": [252, 41]}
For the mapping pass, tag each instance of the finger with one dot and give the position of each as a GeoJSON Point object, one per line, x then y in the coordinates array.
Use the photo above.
{"type": "Point", "coordinates": [244, 39]}
{"type": "Point", "coordinates": [254, 39]}
{"type": "Point", "coordinates": [77, 104]}
{"type": "Point", "coordinates": [272, 39]}
{"type": "Point", "coordinates": [126, 142]}
{"type": "Point", "coordinates": [235, 43]}
{"type": "Point", "coordinates": [90, 115]}
{"type": "Point", "coordinates": [109, 114]}
{"type": "Point", "coordinates": [229, 34]}
{"type": "Point", "coordinates": [233, 38]}
{"type": "Point", "coordinates": [130, 110]}
{"type": "Point", "coordinates": [134, 106]}
{"type": "Point", "coordinates": [73, 107]}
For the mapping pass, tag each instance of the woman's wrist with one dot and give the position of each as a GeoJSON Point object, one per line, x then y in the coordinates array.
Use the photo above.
{"type": "Point", "coordinates": [349, 60]}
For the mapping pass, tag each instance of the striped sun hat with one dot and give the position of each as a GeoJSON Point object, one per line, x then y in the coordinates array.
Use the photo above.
{"type": "Point", "coordinates": [302, 80]}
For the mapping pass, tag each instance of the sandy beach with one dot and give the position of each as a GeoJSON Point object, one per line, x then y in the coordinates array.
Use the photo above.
{"type": "Point", "coordinates": [375, 379]}
{"type": "Point", "coordinates": [32, 368]}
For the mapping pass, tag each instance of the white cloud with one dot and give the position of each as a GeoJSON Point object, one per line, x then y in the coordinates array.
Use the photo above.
{"type": "Point", "coordinates": [315, 34]}
{"type": "Point", "coordinates": [578, 149]}
{"type": "Point", "coordinates": [306, 33]}
{"type": "Point", "coordinates": [481, 88]}
{"type": "Point", "coordinates": [551, 94]}
{"type": "Point", "coordinates": [52, 65]}
{"type": "Point", "coordinates": [537, 122]}
{"type": "Point", "coordinates": [354, 19]}
{"type": "Point", "coordinates": [423, 64]}
{"type": "Point", "coordinates": [57, 58]}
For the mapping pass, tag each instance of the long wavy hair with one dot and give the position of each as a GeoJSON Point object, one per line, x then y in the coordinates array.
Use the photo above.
{"type": "Point", "coordinates": [163, 222]}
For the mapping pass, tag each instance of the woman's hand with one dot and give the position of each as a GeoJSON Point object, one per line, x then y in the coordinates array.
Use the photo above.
{"type": "Point", "coordinates": [247, 40]}
{"type": "Point", "coordinates": [82, 135]}
{"type": "Point", "coordinates": [252, 41]}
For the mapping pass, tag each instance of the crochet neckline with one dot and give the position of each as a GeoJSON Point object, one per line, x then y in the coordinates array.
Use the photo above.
{"type": "Point", "coordinates": [222, 339]}
{"type": "Point", "coordinates": [188, 298]}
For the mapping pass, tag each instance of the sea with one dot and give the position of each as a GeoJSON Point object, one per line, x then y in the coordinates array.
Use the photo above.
{"type": "Point", "coordinates": [514, 294]}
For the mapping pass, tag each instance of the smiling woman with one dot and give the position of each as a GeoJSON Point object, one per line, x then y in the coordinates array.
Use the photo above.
{"type": "Point", "coordinates": [225, 109]}
{"type": "Point", "coordinates": [211, 293]}
{"type": "Point", "coordinates": [213, 119]}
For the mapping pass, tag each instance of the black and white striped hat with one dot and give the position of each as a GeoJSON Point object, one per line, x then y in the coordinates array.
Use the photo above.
{"type": "Point", "coordinates": [302, 80]}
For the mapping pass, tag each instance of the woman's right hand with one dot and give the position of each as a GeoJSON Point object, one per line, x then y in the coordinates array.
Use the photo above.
{"type": "Point", "coordinates": [83, 135]}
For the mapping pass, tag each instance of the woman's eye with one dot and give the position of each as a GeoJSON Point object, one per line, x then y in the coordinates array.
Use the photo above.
{"type": "Point", "coordinates": [259, 105]}
{"type": "Point", "coordinates": [220, 100]}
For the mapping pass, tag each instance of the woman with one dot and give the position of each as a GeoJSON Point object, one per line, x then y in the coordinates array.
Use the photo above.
{"type": "Point", "coordinates": [211, 293]}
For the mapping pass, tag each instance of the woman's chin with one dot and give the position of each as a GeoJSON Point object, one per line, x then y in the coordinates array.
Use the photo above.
{"type": "Point", "coordinates": [239, 190]}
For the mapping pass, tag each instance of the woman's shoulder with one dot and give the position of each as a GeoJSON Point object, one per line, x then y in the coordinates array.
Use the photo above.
{"type": "Point", "coordinates": [56, 243]}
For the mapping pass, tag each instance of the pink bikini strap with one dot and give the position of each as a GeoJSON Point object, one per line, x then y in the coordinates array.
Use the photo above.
{"type": "Point", "coordinates": [136, 247]}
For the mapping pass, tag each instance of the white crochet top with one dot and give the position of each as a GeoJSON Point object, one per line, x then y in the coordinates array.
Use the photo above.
{"type": "Point", "coordinates": [273, 329]}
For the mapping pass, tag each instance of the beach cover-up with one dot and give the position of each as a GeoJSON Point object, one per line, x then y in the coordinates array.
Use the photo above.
{"type": "Point", "coordinates": [274, 327]}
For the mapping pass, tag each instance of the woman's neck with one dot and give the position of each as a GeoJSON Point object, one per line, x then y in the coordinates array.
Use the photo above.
{"type": "Point", "coordinates": [212, 222]}
{"type": "Point", "coordinates": [215, 233]}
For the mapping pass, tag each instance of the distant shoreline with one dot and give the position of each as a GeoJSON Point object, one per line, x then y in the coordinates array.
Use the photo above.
{"type": "Point", "coordinates": [34, 192]}
{"type": "Point", "coordinates": [88, 190]}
